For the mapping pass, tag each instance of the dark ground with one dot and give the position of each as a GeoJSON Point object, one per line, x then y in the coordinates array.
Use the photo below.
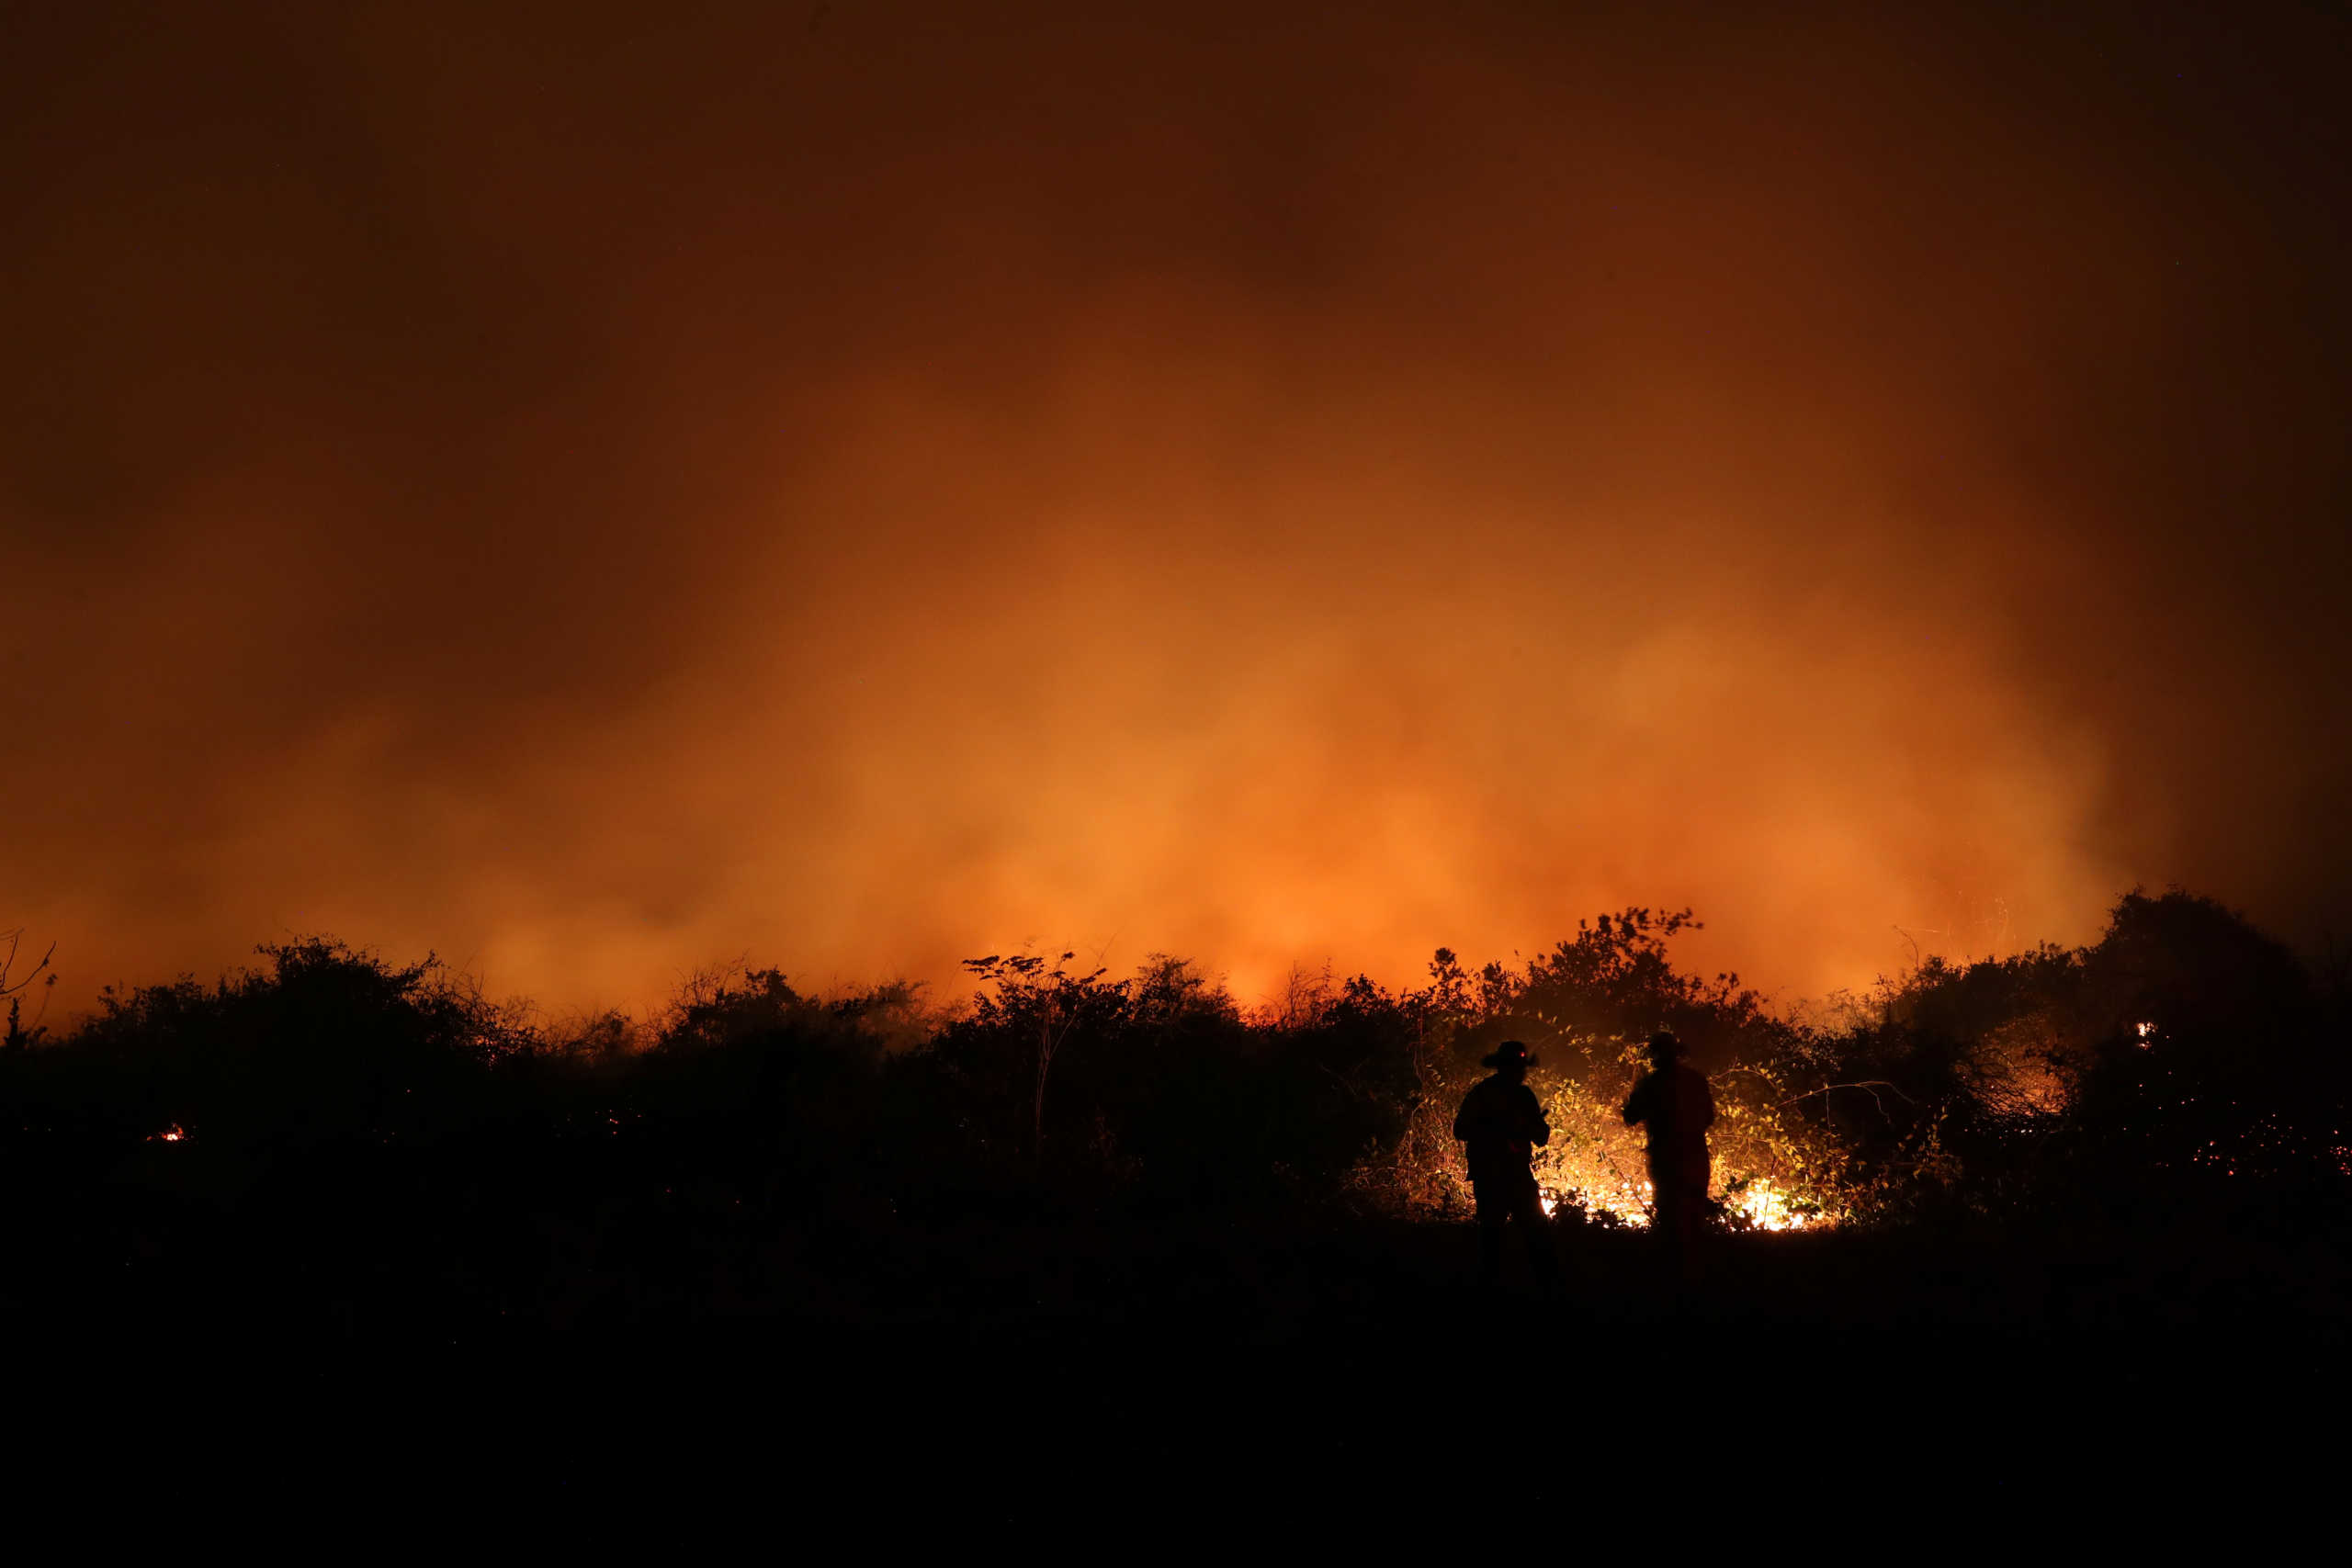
{"type": "Point", "coordinates": [999, 1376]}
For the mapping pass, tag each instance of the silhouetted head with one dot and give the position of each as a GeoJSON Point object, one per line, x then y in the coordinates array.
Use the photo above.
{"type": "Point", "coordinates": [1510, 1056]}
{"type": "Point", "coordinates": [1665, 1049]}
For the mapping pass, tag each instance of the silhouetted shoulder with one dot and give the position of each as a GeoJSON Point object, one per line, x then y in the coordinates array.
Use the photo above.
{"type": "Point", "coordinates": [1471, 1118]}
{"type": "Point", "coordinates": [1701, 1097]}
{"type": "Point", "coordinates": [1639, 1104]}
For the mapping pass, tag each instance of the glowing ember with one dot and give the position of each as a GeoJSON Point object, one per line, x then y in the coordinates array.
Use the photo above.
{"type": "Point", "coordinates": [2147, 1032]}
{"type": "Point", "coordinates": [172, 1135]}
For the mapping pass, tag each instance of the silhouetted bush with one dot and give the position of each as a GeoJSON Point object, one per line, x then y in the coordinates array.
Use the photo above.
{"type": "Point", "coordinates": [2184, 1053]}
{"type": "Point", "coordinates": [325, 1045]}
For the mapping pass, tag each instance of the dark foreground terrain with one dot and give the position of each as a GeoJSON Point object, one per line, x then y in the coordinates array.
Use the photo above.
{"type": "Point", "coordinates": [1007, 1374]}
{"type": "Point", "coordinates": [346, 1235]}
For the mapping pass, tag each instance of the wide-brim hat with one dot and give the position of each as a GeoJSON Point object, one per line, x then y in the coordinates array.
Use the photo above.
{"type": "Point", "coordinates": [1510, 1053]}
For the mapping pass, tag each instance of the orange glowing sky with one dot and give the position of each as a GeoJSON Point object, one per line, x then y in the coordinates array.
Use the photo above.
{"type": "Point", "coordinates": [599, 493]}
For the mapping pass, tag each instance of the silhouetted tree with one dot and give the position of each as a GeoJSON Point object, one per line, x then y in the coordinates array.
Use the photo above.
{"type": "Point", "coordinates": [19, 1037]}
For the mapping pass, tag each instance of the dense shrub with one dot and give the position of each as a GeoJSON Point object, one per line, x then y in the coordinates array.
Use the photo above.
{"type": "Point", "coordinates": [2183, 1047]}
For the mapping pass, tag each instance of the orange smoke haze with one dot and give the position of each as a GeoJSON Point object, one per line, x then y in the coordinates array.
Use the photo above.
{"type": "Point", "coordinates": [597, 494]}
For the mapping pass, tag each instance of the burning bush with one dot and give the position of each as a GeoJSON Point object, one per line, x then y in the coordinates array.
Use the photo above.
{"type": "Point", "coordinates": [1774, 1168]}
{"type": "Point", "coordinates": [1799, 1141]}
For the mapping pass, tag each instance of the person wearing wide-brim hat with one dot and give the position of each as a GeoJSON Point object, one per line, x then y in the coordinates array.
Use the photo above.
{"type": "Point", "coordinates": [1502, 1124]}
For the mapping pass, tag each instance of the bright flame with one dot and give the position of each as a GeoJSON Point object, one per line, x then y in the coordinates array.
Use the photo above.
{"type": "Point", "coordinates": [1764, 1206]}
{"type": "Point", "coordinates": [1627, 1203]}
{"type": "Point", "coordinates": [1767, 1208]}
{"type": "Point", "coordinates": [171, 1134]}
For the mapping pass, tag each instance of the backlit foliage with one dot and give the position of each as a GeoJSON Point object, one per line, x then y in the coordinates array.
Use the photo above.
{"type": "Point", "coordinates": [1773, 1168]}
{"type": "Point", "coordinates": [2184, 1049]}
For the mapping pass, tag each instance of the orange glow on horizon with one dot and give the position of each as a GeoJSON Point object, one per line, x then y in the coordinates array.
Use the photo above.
{"type": "Point", "coordinates": [1153, 480]}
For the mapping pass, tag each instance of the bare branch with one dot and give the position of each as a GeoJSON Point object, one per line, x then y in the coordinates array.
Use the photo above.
{"type": "Point", "coordinates": [1868, 1085]}
{"type": "Point", "coordinates": [9, 962]}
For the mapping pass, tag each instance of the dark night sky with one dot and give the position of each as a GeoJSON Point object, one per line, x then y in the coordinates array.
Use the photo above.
{"type": "Point", "coordinates": [600, 491]}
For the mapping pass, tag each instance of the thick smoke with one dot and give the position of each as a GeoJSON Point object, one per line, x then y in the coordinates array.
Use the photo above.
{"type": "Point", "coordinates": [600, 493]}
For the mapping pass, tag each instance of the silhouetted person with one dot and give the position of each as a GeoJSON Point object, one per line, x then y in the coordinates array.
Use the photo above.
{"type": "Point", "coordinates": [1502, 1124]}
{"type": "Point", "coordinates": [1674, 1102]}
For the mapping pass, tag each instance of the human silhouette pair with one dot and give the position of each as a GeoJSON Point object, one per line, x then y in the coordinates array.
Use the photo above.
{"type": "Point", "coordinates": [1501, 1124]}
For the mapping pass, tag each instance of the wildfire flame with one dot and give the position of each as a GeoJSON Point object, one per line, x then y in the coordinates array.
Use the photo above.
{"type": "Point", "coordinates": [172, 1135]}
{"type": "Point", "coordinates": [1767, 1208]}
{"type": "Point", "coordinates": [1766, 1162]}
{"type": "Point", "coordinates": [1759, 1204]}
